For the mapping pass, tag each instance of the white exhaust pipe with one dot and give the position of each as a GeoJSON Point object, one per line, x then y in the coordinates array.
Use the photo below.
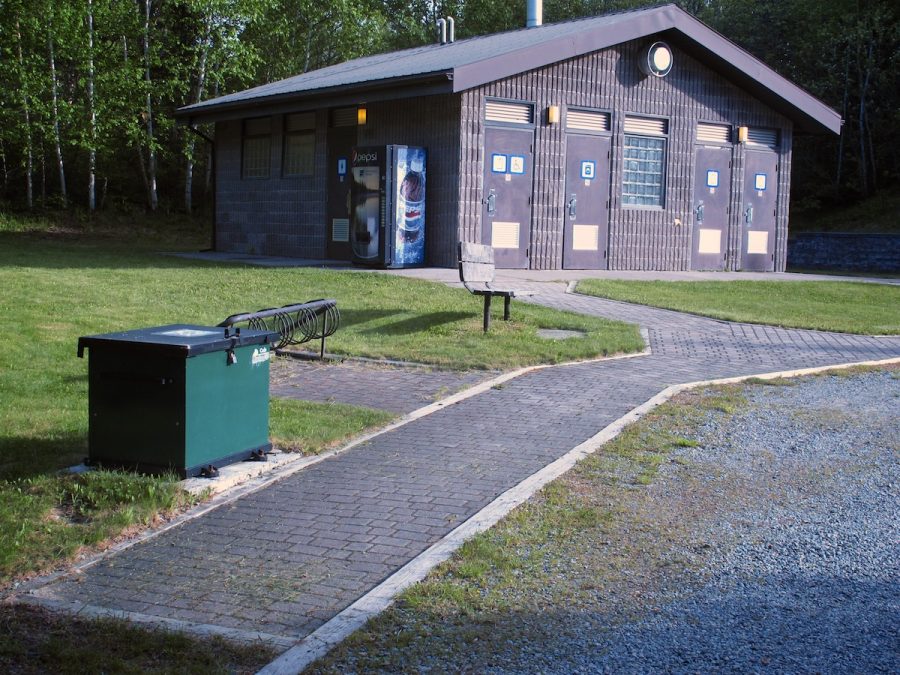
{"type": "Point", "coordinates": [535, 13]}
{"type": "Point", "coordinates": [451, 29]}
{"type": "Point", "coordinates": [442, 31]}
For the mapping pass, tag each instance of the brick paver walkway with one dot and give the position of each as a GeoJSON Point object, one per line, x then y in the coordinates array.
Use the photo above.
{"type": "Point", "coordinates": [397, 388]}
{"type": "Point", "coordinates": [286, 558]}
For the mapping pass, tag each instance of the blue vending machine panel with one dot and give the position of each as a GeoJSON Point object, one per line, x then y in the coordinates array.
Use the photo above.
{"type": "Point", "coordinates": [408, 172]}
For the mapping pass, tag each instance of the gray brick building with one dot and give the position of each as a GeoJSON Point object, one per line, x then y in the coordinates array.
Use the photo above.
{"type": "Point", "coordinates": [636, 140]}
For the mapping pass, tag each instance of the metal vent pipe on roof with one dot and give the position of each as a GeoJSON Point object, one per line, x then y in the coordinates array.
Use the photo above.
{"type": "Point", "coordinates": [442, 31]}
{"type": "Point", "coordinates": [451, 28]}
{"type": "Point", "coordinates": [535, 13]}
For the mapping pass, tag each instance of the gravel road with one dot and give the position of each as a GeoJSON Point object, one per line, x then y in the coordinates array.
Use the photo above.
{"type": "Point", "coordinates": [772, 545]}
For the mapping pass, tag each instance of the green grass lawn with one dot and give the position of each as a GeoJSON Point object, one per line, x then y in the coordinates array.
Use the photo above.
{"type": "Point", "coordinates": [59, 283]}
{"type": "Point", "coordinates": [34, 641]}
{"type": "Point", "coordinates": [846, 307]}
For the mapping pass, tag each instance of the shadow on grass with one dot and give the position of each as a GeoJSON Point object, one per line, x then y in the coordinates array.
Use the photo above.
{"type": "Point", "coordinates": [51, 250]}
{"type": "Point", "coordinates": [416, 324]}
{"type": "Point", "coordinates": [24, 456]}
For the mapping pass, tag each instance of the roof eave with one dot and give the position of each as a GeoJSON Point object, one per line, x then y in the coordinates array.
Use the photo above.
{"type": "Point", "coordinates": [435, 83]}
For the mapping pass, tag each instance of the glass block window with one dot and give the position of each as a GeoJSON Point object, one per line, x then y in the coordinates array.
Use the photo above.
{"type": "Point", "coordinates": [299, 144]}
{"type": "Point", "coordinates": [256, 149]}
{"type": "Point", "coordinates": [643, 181]}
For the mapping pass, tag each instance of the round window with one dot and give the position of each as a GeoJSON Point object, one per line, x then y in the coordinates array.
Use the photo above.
{"type": "Point", "coordinates": [657, 60]}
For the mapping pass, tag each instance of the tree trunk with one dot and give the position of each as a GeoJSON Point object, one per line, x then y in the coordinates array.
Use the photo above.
{"type": "Point", "coordinates": [56, 136]}
{"type": "Point", "coordinates": [845, 103]}
{"type": "Point", "coordinates": [43, 177]}
{"type": "Point", "coordinates": [198, 94]}
{"type": "Point", "coordinates": [92, 149]}
{"type": "Point", "coordinates": [151, 143]}
{"type": "Point", "coordinates": [865, 75]}
{"type": "Point", "coordinates": [209, 154]}
{"type": "Point", "coordinates": [29, 153]}
{"type": "Point", "coordinates": [5, 170]}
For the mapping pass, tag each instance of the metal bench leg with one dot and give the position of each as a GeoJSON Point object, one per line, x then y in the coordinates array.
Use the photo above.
{"type": "Point", "coordinates": [487, 312]}
{"type": "Point", "coordinates": [506, 300]}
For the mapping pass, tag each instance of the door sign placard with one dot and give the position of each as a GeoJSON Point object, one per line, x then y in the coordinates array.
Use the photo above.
{"type": "Point", "coordinates": [712, 178]}
{"type": "Point", "coordinates": [517, 164]}
{"type": "Point", "coordinates": [499, 163]}
{"type": "Point", "coordinates": [759, 182]}
{"type": "Point", "coordinates": [588, 169]}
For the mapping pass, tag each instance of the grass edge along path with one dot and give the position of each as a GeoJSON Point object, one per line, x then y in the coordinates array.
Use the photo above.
{"type": "Point", "coordinates": [837, 306]}
{"type": "Point", "coordinates": [34, 641]}
{"type": "Point", "coordinates": [48, 520]}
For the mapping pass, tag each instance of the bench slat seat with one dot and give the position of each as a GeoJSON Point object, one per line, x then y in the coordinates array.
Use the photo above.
{"type": "Point", "coordinates": [476, 272]}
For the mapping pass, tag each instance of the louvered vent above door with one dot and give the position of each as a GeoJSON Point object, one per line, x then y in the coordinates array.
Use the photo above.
{"type": "Point", "coordinates": [509, 113]}
{"type": "Point", "coordinates": [587, 120]}
{"type": "Point", "coordinates": [343, 117]}
{"type": "Point", "coordinates": [646, 126]}
{"type": "Point", "coordinates": [713, 133]}
{"type": "Point", "coordinates": [765, 138]}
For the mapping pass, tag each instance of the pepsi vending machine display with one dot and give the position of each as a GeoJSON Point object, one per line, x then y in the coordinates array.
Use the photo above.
{"type": "Point", "coordinates": [388, 197]}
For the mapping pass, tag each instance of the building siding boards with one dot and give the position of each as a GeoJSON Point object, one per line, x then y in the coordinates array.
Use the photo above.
{"type": "Point", "coordinates": [287, 216]}
{"type": "Point", "coordinates": [639, 238]}
{"type": "Point", "coordinates": [269, 216]}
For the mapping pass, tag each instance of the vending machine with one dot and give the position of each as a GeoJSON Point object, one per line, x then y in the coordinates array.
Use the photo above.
{"type": "Point", "coordinates": [387, 199]}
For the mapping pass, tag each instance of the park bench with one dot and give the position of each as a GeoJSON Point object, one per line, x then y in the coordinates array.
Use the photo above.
{"type": "Point", "coordinates": [476, 272]}
{"type": "Point", "coordinates": [295, 324]}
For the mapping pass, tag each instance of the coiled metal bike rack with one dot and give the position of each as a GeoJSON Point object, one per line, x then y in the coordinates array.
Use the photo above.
{"type": "Point", "coordinates": [295, 324]}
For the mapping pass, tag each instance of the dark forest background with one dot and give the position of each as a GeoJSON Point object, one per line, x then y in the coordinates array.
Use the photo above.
{"type": "Point", "coordinates": [88, 88]}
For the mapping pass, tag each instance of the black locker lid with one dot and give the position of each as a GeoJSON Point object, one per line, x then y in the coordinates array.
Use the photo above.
{"type": "Point", "coordinates": [184, 339]}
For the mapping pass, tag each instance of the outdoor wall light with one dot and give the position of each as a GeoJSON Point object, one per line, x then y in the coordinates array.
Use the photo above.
{"type": "Point", "coordinates": [361, 115]}
{"type": "Point", "coordinates": [743, 134]}
{"type": "Point", "coordinates": [553, 114]}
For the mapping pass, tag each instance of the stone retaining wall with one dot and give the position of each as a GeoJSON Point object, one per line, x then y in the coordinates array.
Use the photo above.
{"type": "Point", "coordinates": [844, 251]}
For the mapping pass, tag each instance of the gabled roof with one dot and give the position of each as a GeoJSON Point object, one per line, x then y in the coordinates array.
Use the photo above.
{"type": "Point", "coordinates": [469, 63]}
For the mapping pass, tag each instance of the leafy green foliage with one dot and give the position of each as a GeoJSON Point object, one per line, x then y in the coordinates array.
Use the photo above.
{"type": "Point", "coordinates": [145, 58]}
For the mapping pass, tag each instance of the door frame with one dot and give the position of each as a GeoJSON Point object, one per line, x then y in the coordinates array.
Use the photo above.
{"type": "Point", "coordinates": [729, 208]}
{"type": "Point", "coordinates": [337, 138]}
{"type": "Point", "coordinates": [505, 258]}
{"type": "Point", "coordinates": [572, 259]}
{"type": "Point", "coordinates": [767, 262]}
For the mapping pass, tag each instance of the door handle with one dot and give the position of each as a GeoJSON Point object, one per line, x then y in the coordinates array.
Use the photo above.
{"type": "Point", "coordinates": [748, 215]}
{"type": "Point", "coordinates": [573, 203]}
{"type": "Point", "coordinates": [699, 211]}
{"type": "Point", "coordinates": [492, 202]}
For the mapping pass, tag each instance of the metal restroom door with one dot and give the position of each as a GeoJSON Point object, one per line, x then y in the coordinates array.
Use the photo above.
{"type": "Point", "coordinates": [758, 211]}
{"type": "Point", "coordinates": [506, 210]}
{"type": "Point", "coordinates": [340, 143]}
{"type": "Point", "coordinates": [712, 195]}
{"type": "Point", "coordinates": [586, 212]}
